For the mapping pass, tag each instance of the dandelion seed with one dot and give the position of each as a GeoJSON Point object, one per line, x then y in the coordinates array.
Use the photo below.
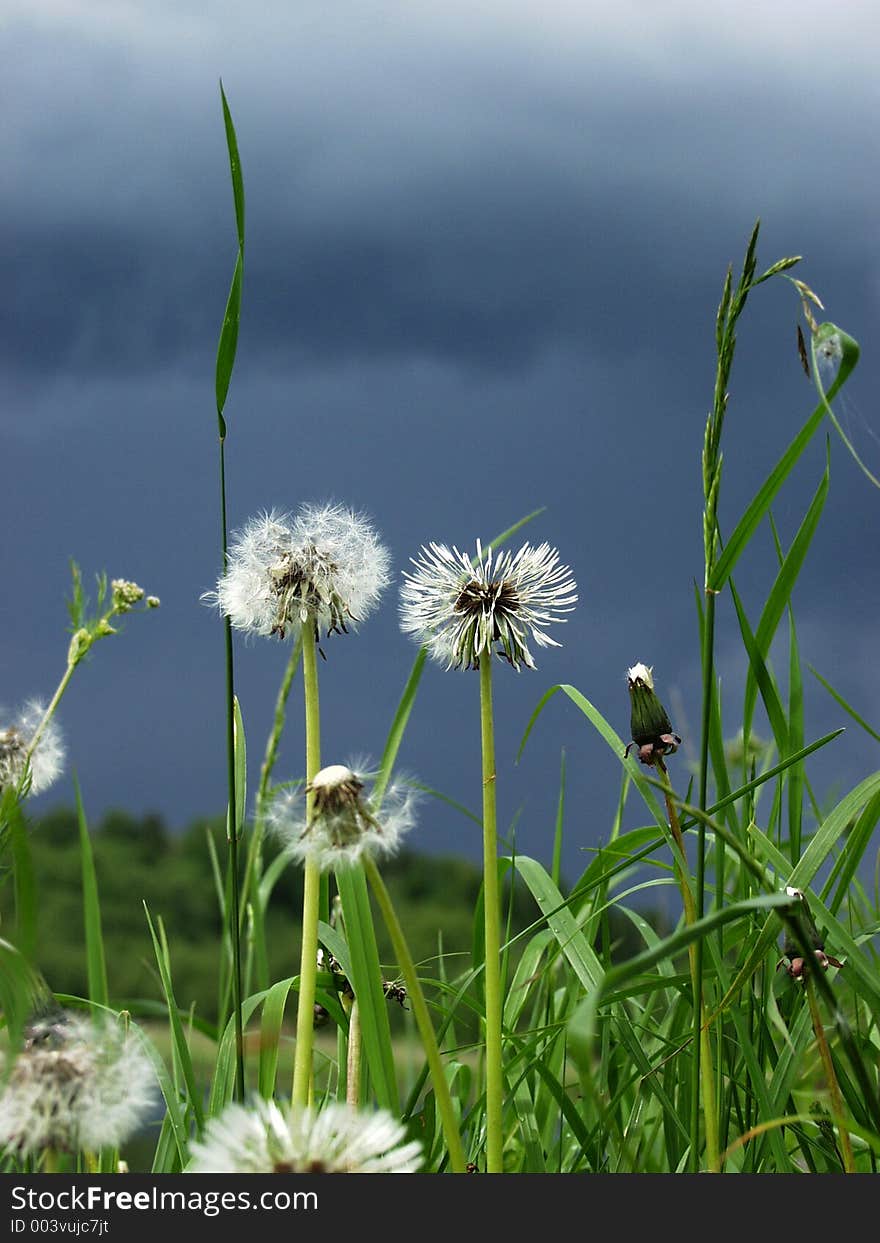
{"type": "Point", "coordinates": [47, 758]}
{"type": "Point", "coordinates": [73, 1086]}
{"type": "Point", "coordinates": [343, 826]}
{"type": "Point", "coordinates": [266, 1139]}
{"type": "Point", "coordinates": [459, 610]}
{"type": "Point", "coordinates": [323, 567]}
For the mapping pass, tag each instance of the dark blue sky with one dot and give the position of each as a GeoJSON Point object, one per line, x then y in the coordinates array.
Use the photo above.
{"type": "Point", "coordinates": [485, 245]}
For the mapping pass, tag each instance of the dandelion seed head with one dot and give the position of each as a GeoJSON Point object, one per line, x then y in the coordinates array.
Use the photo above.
{"type": "Point", "coordinates": [461, 609]}
{"type": "Point", "coordinates": [344, 825]}
{"type": "Point", "coordinates": [264, 1138]}
{"type": "Point", "coordinates": [74, 1085]}
{"type": "Point", "coordinates": [47, 759]}
{"type": "Point", "coordinates": [323, 565]}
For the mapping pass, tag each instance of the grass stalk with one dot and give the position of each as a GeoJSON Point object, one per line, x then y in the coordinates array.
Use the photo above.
{"type": "Point", "coordinates": [492, 918]}
{"type": "Point", "coordinates": [702, 1044]}
{"type": "Point", "coordinates": [232, 827]}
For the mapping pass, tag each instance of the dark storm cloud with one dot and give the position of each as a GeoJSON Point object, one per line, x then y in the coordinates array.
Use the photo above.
{"type": "Point", "coordinates": [419, 195]}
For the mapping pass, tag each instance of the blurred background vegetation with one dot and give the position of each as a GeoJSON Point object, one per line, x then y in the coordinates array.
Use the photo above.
{"type": "Point", "coordinates": [139, 860]}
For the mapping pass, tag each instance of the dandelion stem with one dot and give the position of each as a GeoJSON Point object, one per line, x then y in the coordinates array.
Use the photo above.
{"type": "Point", "coordinates": [703, 1045]}
{"type": "Point", "coordinates": [849, 1164]}
{"type": "Point", "coordinates": [47, 717]}
{"type": "Point", "coordinates": [305, 1014]}
{"type": "Point", "coordinates": [492, 914]}
{"type": "Point", "coordinates": [442, 1095]}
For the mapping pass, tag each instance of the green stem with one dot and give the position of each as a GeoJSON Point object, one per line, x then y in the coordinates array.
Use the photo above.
{"type": "Point", "coordinates": [702, 1050]}
{"type": "Point", "coordinates": [232, 827]}
{"type": "Point", "coordinates": [305, 1013]}
{"type": "Point", "coordinates": [47, 716]}
{"type": "Point", "coordinates": [849, 1164]}
{"type": "Point", "coordinates": [492, 912]}
{"type": "Point", "coordinates": [708, 677]}
{"type": "Point", "coordinates": [448, 1118]}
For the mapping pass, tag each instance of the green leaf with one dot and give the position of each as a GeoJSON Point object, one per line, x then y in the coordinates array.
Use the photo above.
{"type": "Point", "coordinates": [95, 962]}
{"type": "Point", "coordinates": [179, 1044]}
{"type": "Point", "coordinates": [270, 1035]}
{"type": "Point", "coordinates": [846, 707]}
{"type": "Point", "coordinates": [763, 499]}
{"type": "Point", "coordinates": [614, 741]}
{"type": "Point", "coordinates": [234, 168]}
{"type": "Point", "coordinates": [780, 594]}
{"type": "Point", "coordinates": [580, 954]}
{"type": "Point", "coordinates": [366, 981]}
{"type": "Point", "coordinates": [228, 343]}
{"type": "Point", "coordinates": [240, 761]}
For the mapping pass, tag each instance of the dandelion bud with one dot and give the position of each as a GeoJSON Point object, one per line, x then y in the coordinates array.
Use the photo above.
{"type": "Point", "coordinates": [343, 825]}
{"type": "Point", "coordinates": [650, 727]}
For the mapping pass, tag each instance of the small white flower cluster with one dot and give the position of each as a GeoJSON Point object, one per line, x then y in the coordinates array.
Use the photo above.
{"type": "Point", "coordinates": [343, 826]}
{"type": "Point", "coordinates": [267, 1139]}
{"type": "Point", "coordinates": [47, 759]}
{"type": "Point", "coordinates": [74, 1086]}
{"type": "Point", "coordinates": [458, 607]}
{"type": "Point", "coordinates": [324, 567]}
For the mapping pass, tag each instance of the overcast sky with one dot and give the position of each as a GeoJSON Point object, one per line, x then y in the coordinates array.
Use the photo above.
{"type": "Point", "coordinates": [485, 246]}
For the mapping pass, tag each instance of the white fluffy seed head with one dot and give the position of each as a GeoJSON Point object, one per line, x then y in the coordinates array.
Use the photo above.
{"type": "Point", "coordinates": [641, 673]}
{"type": "Point", "coordinates": [16, 735]}
{"type": "Point", "coordinates": [461, 609]}
{"type": "Point", "coordinates": [344, 825]}
{"type": "Point", "coordinates": [324, 566]}
{"type": "Point", "coordinates": [265, 1138]}
{"type": "Point", "coordinates": [74, 1086]}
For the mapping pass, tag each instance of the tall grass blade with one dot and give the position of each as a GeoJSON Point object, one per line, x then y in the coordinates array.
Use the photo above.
{"type": "Point", "coordinates": [96, 965]}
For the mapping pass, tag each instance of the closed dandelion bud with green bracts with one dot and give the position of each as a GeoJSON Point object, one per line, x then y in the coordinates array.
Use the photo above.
{"type": "Point", "coordinates": [650, 727]}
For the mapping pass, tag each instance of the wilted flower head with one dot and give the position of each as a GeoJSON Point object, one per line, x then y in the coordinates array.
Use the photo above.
{"type": "Point", "coordinates": [74, 1085]}
{"type": "Point", "coordinates": [16, 737]}
{"type": "Point", "coordinates": [792, 953]}
{"type": "Point", "coordinates": [323, 567]}
{"type": "Point", "coordinates": [268, 1139]}
{"type": "Point", "coordinates": [344, 825]}
{"type": "Point", "coordinates": [459, 609]}
{"type": "Point", "coordinates": [650, 726]}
